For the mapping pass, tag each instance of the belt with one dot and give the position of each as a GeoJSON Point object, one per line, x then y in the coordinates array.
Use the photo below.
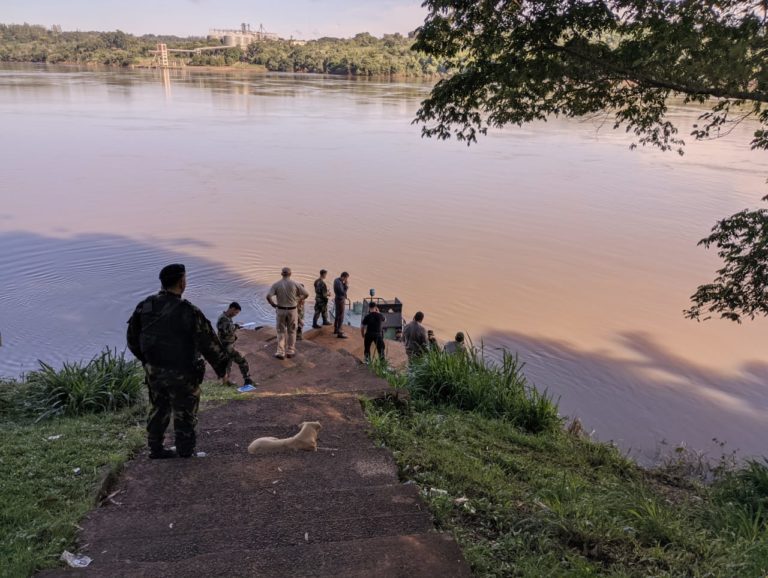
{"type": "Point", "coordinates": [286, 308]}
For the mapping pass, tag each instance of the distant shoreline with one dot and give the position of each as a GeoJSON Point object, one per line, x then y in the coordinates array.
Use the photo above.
{"type": "Point", "coordinates": [248, 69]}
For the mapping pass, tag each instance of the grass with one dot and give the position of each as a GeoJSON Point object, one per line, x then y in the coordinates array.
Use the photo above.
{"type": "Point", "coordinates": [50, 475]}
{"type": "Point", "coordinates": [108, 382]}
{"type": "Point", "coordinates": [552, 503]}
{"type": "Point", "coordinates": [64, 434]}
{"type": "Point", "coordinates": [471, 382]}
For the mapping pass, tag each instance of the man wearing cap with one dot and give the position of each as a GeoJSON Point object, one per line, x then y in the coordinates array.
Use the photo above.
{"type": "Point", "coordinates": [284, 296]}
{"type": "Point", "coordinates": [321, 300]}
{"type": "Point", "coordinates": [340, 286]}
{"type": "Point", "coordinates": [227, 330]}
{"type": "Point", "coordinates": [170, 337]}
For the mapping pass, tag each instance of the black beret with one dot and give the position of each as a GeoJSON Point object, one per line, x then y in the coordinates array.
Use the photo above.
{"type": "Point", "coordinates": [172, 274]}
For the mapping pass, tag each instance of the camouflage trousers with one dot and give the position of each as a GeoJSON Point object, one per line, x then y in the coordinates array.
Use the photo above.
{"type": "Point", "coordinates": [300, 321]}
{"type": "Point", "coordinates": [321, 308]}
{"type": "Point", "coordinates": [237, 357]}
{"type": "Point", "coordinates": [172, 393]}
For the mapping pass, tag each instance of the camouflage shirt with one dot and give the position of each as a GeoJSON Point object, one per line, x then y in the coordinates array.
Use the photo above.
{"type": "Point", "coordinates": [169, 332]}
{"type": "Point", "coordinates": [227, 329]}
{"type": "Point", "coordinates": [321, 290]}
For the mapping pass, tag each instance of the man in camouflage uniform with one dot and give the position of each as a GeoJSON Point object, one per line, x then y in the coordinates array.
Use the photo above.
{"type": "Point", "coordinates": [321, 300]}
{"type": "Point", "coordinates": [170, 337]}
{"type": "Point", "coordinates": [227, 330]}
{"type": "Point", "coordinates": [300, 318]}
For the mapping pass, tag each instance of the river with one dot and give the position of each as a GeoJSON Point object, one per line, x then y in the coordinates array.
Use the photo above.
{"type": "Point", "coordinates": [554, 240]}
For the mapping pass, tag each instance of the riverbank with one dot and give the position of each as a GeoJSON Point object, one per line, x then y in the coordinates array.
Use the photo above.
{"type": "Point", "coordinates": [518, 503]}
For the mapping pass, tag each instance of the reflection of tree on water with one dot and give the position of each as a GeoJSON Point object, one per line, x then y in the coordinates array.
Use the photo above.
{"type": "Point", "coordinates": [64, 299]}
{"type": "Point", "coordinates": [649, 398]}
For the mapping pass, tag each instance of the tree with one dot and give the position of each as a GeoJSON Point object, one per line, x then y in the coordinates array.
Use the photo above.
{"type": "Point", "coordinates": [524, 60]}
{"type": "Point", "coordinates": [741, 286]}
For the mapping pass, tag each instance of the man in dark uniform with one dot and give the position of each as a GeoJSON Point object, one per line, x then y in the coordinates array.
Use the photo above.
{"type": "Point", "coordinates": [340, 286]}
{"type": "Point", "coordinates": [168, 335]}
{"type": "Point", "coordinates": [227, 330]}
{"type": "Point", "coordinates": [321, 300]}
{"type": "Point", "coordinates": [371, 328]}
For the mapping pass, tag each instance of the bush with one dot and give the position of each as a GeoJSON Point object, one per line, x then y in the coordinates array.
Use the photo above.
{"type": "Point", "coordinates": [106, 383]}
{"type": "Point", "coordinates": [470, 382]}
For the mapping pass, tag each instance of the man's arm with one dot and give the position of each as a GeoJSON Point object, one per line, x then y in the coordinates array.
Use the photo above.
{"type": "Point", "coordinates": [270, 296]}
{"type": "Point", "coordinates": [362, 329]}
{"type": "Point", "coordinates": [133, 333]}
{"type": "Point", "coordinates": [209, 345]}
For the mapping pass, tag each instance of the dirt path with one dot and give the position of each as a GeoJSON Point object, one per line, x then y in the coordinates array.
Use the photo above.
{"type": "Point", "coordinates": [340, 511]}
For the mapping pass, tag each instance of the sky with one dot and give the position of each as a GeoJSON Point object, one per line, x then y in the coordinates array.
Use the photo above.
{"type": "Point", "coordinates": [301, 19]}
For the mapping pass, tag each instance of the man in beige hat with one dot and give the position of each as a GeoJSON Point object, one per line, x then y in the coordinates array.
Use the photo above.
{"type": "Point", "coordinates": [284, 296]}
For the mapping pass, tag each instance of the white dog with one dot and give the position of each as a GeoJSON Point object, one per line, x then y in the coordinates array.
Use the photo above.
{"type": "Point", "coordinates": [306, 439]}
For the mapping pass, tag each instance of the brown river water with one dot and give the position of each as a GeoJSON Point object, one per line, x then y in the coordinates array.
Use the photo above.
{"type": "Point", "coordinates": [553, 240]}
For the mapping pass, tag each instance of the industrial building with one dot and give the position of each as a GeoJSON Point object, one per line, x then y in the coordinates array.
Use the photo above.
{"type": "Point", "coordinates": [241, 38]}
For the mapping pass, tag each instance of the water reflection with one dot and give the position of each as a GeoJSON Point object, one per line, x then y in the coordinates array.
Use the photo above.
{"type": "Point", "coordinates": [65, 298]}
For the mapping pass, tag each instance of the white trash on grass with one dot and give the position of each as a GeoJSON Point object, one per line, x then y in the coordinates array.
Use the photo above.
{"type": "Point", "coordinates": [75, 560]}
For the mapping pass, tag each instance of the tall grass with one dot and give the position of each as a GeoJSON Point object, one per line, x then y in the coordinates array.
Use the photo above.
{"type": "Point", "coordinates": [471, 382]}
{"type": "Point", "coordinates": [107, 382]}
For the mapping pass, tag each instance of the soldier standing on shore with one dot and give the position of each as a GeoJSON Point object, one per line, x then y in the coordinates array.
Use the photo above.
{"type": "Point", "coordinates": [371, 328]}
{"type": "Point", "coordinates": [168, 335]}
{"type": "Point", "coordinates": [300, 317]}
{"type": "Point", "coordinates": [340, 286]}
{"type": "Point", "coordinates": [227, 330]}
{"type": "Point", "coordinates": [321, 300]}
{"type": "Point", "coordinates": [288, 293]}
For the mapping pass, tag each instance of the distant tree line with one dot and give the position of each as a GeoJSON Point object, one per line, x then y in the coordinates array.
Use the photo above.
{"type": "Point", "coordinates": [363, 55]}
{"type": "Point", "coordinates": [33, 43]}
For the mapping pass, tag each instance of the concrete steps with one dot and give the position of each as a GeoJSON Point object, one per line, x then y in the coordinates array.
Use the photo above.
{"type": "Point", "coordinates": [340, 511]}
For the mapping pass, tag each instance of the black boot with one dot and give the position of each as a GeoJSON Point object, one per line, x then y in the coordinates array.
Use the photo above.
{"type": "Point", "coordinates": [161, 454]}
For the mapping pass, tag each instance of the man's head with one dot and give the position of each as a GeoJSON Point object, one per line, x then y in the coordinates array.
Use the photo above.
{"type": "Point", "coordinates": [460, 337]}
{"type": "Point", "coordinates": [419, 316]}
{"type": "Point", "coordinates": [372, 306]}
{"type": "Point", "coordinates": [286, 272]}
{"type": "Point", "coordinates": [234, 309]}
{"type": "Point", "coordinates": [173, 278]}
{"type": "Point", "coordinates": [344, 276]}
{"type": "Point", "coordinates": [323, 273]}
